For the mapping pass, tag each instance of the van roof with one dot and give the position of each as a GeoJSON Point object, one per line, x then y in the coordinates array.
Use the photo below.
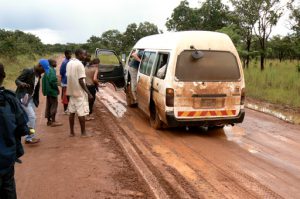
{"type": "Point", "coordinates": [204, 40]}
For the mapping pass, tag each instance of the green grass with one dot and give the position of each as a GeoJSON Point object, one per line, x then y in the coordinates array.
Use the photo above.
{"type": "Point", "coordinates": [279, 83]}
{"type": "Point", "coordinates": [109, 59]}
{"type": "Point", "coordinates": [13, 67]}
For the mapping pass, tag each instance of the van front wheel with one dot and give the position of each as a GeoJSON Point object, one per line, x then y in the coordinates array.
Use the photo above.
{"type": "Point", "coordinates": [155, 122]}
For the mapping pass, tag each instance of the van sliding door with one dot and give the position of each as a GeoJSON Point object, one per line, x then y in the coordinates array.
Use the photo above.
{"type": "Point", "coordinates": [144, 81]}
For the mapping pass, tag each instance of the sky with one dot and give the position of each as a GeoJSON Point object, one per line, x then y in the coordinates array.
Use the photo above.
{"type": "Point", "coordinates": [70, 21]}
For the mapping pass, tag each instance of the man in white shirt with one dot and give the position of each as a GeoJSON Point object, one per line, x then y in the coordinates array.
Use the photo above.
{"type": "Point", "coordinates": [78, 92]}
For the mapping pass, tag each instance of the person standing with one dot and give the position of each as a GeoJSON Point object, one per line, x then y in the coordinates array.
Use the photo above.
{"type": "Point", "coordinates": [13, 126]}
{"type": "Point", "coordinates": [87, 58]}
{"type": "Point", "coordinates": [28, 88]}
{"type": "Point", "coordinates": [78, 92]}
{"type": "Point", "coordinates": [63, 70]}
{"type": "Point", "coordinates": [133, 70]}
{"type": "Point", "coordinates": [50, 90]}
{"type": "Point", "coordinates": [92, 83]}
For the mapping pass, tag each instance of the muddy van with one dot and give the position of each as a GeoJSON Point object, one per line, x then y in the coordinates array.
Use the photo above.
{"type": "Point", "coordinates": [191, 78]}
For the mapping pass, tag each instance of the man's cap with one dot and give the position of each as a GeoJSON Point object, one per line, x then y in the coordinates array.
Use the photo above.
{"type": "Point", "coordinates": [45, 64]}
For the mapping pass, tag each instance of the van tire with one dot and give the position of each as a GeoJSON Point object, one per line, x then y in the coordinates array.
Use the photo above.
{"type": "Point", "coordinates": [155, 121]}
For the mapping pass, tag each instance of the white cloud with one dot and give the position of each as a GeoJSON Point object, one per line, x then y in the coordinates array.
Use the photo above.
{"type": "Point", "coordinates": [75, 21]}
{"type": "Point", "coordinates": [47, 36]}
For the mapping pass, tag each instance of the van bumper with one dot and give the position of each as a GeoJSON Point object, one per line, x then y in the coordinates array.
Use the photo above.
{"type": "Point", "coordinates": [172, 121]}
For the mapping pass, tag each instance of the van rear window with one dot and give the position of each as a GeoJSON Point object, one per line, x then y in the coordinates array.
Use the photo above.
{"type": "Point", "coordinates": [212, 66]}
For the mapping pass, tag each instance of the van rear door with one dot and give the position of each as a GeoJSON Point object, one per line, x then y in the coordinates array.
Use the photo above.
{"type": "Point", "coordinates": [110, 68]}
{"type": "Point", "coordinates": [207, 85]}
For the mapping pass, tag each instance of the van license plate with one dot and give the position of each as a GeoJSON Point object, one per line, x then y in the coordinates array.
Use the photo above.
{"type": "Point", "coordinates": [208, 103]}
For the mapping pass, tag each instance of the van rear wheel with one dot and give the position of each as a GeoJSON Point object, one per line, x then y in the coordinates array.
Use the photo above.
{"type": "Point", "coordinates": [155, 122]}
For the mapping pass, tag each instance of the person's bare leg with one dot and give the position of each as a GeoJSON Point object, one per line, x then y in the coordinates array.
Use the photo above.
{"type": "Point", "coordinates": [71, 122]}
{"type": "Point", "coordinates": [82, 125]}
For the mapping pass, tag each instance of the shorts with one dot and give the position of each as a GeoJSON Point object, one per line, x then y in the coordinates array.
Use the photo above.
{"type": "Point", "coordinates": [79, 105]}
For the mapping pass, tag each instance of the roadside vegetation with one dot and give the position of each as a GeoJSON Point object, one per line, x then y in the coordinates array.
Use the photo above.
{"type": "Point", "coordinates": [279, 83]}
{"type": "Point", "coordinates": [14, 66]}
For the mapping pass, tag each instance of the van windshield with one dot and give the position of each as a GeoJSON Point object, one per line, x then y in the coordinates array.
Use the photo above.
{"type": "Point", "coordinates": [212, 66]}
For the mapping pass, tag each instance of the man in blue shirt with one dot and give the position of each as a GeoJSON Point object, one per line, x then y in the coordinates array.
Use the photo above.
{"type": "Point", "coordinates": [63, 71]}
{"type": "Point", "coordinates": [13, 126]}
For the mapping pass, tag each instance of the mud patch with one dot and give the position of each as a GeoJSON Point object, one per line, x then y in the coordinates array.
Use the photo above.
{"type": "Point", "coordinates": [131, 185]}
{"type": "Point", "coordinates": [283, 112]}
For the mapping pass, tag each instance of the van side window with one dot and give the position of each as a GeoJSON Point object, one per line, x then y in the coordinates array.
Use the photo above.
{"type": "Point", "coordinates": [147, 63]}
{"type": "Point", "coordinates": [161, 65]}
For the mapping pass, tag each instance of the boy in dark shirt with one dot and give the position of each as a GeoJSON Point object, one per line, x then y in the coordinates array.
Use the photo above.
{"type": "Point", "coordinates": [13, 126]}
{"type": "Point", "coordinates": [50, 90]}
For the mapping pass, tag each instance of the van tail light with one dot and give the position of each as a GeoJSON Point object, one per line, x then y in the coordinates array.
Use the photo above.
{"type": "Point", "coordinates": [243, 96]}
{"type": "Point", "coordinates": [170, 97]}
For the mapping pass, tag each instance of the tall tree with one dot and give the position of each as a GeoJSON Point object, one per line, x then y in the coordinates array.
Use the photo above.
{"type": "Point", "coordinates": [184, 18]}
{"type": "Point", "coordinates": [214, 15]}
{"type": "Point", "coordinates": [130, 36]}
{"type": "Point", "coordinates": [211, 15]}
{"type": "Point", "coordinates": [112, 39]}
{"type": "Point", "coordinates": [133, 33]}
{"type": "Point", "coordinates": [146, 29]}
{"type": "Point", "coordinates": [269, 13]}
{"type": "Point", "coordinates": [295, 17]}
{"type": "Point", "coordinates": [246, 16]}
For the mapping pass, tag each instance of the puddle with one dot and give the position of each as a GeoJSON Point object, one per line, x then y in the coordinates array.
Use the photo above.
{"type": "Point", "coordinates": [113, 105]}
{"type": "Point", "coordinates": [237, 134]}
{"type": "Point", "coordinates": [282, 116]}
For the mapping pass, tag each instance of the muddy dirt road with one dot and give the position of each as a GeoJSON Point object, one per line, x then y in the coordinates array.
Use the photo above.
{"type": "Point", "coordinates": [256, 159]}
{"type": "Point", "coordinates": [83, 168]}
{"type": "Point", "coordinates": [126, 158]}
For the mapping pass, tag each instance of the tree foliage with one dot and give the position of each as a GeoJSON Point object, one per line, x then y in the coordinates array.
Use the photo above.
{"type": "Point", "coordinates": [246, 15]}
{"type": "Point", "coordinates": [13, 43]}
{"type": "Point", "coordinates": [211, 15]}
{"type": "Point", "coordinates": [295, 18]}
{"type": "Point", "coordinates": [269, 13]}
{"type": "Point", "coordinates": [184, 18]}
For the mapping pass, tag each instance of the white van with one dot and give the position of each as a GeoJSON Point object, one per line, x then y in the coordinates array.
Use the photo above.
{"type": "Point", "coordinates": [190, 78]}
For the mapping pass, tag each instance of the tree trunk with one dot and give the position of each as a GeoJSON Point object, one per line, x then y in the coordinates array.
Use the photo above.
{"type": "Point", "coordinates": [247, 61]}
{"type": "Point", "coordinates": [248, 51]}
{"type": "Point", "coordinates": [262, 61]}
{"type": "Point", "coordinates": [262, 53]}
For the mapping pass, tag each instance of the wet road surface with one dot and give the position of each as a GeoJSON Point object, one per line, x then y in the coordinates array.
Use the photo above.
{"type": "Point", "coordinates": [64, 167]}
{"type": "Point", "coordinates": [256, 159]}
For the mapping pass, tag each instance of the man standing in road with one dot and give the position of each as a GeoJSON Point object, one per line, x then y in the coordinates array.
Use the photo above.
{"type": "Point", "coordinates": [63, 71]}
{"type": "Point", "coordinates": [78, 92]}
{"type": "Point", "coordinates": [13, 121]}
{"type": "Point", "coordinates": [28, 91]}
{"type": "Point", "coordinates": [50, 90]}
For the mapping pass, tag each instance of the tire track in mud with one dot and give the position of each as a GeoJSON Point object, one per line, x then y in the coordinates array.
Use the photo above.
{"type": "Point", "coordinates": [159, 190]}
{"type": "Point", "coordinates": [210, 180]}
